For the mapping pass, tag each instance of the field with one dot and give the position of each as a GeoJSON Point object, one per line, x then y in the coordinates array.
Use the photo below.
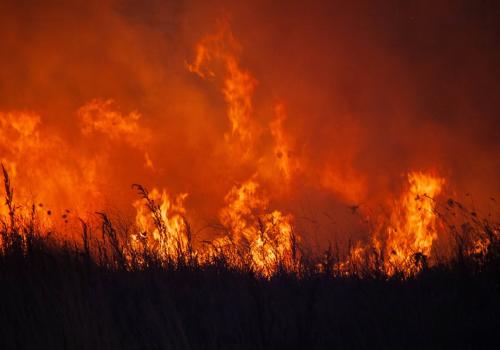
{"type": "Point", "coordinates": [89, 295]}
{"type": "Point", "coordinates": [230, 174]}
{"type": "Point", "coordinates": [55, 298]}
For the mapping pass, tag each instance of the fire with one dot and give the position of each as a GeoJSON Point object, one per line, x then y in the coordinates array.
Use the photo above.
{"type": "Point", "coordinates": [99, 116]}
{"type": "Point", "coordinates": [289, 152]}
{"type": "Point", "coordinates": [412, 229]}
{"type": "Point", "coordinates": [238, 85]}
{"type": "Point", "coordinates": [264, 241]}
{"type": "Point", "coordinates": [401, 243]}
{"type": "Point", "coordinates": [161, 226]}
{"type": "Point", "coordinates": [284, 148]}
{"type": "Point", "coordinates": [266, 238]}
{"type": "Point", "coordinates": [56, 181]}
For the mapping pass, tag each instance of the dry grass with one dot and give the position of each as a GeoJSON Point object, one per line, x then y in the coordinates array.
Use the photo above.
{"type": "Point", "coordinates": [101, 294]}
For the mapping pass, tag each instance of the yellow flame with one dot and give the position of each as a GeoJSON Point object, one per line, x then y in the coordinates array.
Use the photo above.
{"type": "Point", "coordinates": [56, 180]}
{"type": "Point", "coordinates": [412, 229]}
{"type": "Point", "coordinates": [162, 230]}
{"type": "Point", "coordinates": [267, 236]}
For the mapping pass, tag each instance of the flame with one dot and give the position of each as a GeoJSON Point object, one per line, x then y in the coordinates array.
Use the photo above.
{"type": "Point", "coordinates": [263, 239]}
{"type": "Point", "coordinates": [284, 148]}
{"type": "Point", "coordinates": [403, 243]}
{"type": "Point", "coordinates": [267, 237]}
{"type": "Point", "coordinates": [65, 162]}
{"type": "Point", "coordinates": [161, 226]}
{"type": "Point", "coordinates": [65, 182]}
{"type": "Point", "coordinates": [412, 228]}
{"type": "Point", "coordinates": [101, 116]}
{"type": "Point", "coordinates": [55, 181]}
{"type": "Point", "coordinates": [238, 86]}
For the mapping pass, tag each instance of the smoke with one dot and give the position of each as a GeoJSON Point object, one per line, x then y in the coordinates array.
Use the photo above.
{"type": "Point", "coordinates": [346, 99]}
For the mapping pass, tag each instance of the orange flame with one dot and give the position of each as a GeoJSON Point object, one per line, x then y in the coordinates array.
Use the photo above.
{"type": "Point", "coordinates": [64, 170]}
{"type": "Point", "coordinates": [56, 180]}
{"type": "Point", "coordinates": [284, 148]}
{"type": "Point", "coordinates": [161, 226]}
{"type": "Point", "coordinates": [103, 117]}
{"type": "Point", "coordinates": [239, 85]}
{"type": "Point", "coordinates": [412, 228]}
{"type": "Point", "coordinates": [268, 237]}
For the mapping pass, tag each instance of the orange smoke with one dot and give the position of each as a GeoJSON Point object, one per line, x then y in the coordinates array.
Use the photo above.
{"type": "Point", "coordinates": [43, 169]}
{"type": "Point", "coordinates": [102, 117]}
{"type": "Point", "coordinates": [221, 49]}
{"type": "Point", "coordinates": [273, 128]}
{"type": "Point", "coordinates": [284, 145]}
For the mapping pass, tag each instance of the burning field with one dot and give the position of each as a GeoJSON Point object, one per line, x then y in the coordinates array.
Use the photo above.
{"type": "Point", "coordinates": [184, 174]}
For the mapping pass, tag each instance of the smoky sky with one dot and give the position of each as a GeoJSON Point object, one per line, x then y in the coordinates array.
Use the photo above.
{"type": "Point", "coordinates": [371, 90]}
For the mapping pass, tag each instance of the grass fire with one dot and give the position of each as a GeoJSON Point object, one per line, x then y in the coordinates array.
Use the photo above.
{"type": "Point", "coordinates": [225, 174]}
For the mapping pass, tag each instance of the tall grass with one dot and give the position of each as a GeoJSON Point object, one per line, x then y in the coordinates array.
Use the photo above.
{"type": "Point", "coordinates": [100, 294]}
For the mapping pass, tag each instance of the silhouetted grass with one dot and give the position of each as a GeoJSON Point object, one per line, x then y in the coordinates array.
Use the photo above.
{"type": "Point", "coordinates": [56, 295]}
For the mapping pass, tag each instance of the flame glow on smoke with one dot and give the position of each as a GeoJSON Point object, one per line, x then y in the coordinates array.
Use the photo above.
{"type": "Point", "coordinates": [268, 140]}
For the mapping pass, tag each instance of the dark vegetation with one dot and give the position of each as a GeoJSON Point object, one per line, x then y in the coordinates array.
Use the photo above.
{"type": "Point", "coordinates": [57, 295]}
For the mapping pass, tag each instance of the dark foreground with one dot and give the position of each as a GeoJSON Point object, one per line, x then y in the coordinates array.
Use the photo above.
{"type": "Point", "coordinates": [55, 299]}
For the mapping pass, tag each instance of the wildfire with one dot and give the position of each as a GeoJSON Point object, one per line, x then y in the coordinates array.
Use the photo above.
{"type": "Point", "coordinates": [61, 174]}
{"type": "Point", "coordinates": [284, 146]}
{"type": "Point", "coordinates": [161, 225]}
{"type": "Point", "coordinates": [221, 49]}
{"type": "Point", "coordinates": [103, 117]}
{"type": "Point", "coordinates": [267, 238]}
{"type": "Point", "coordinates": [55, 181]}
{"type": "Point", "coordinates": [412, 230]}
